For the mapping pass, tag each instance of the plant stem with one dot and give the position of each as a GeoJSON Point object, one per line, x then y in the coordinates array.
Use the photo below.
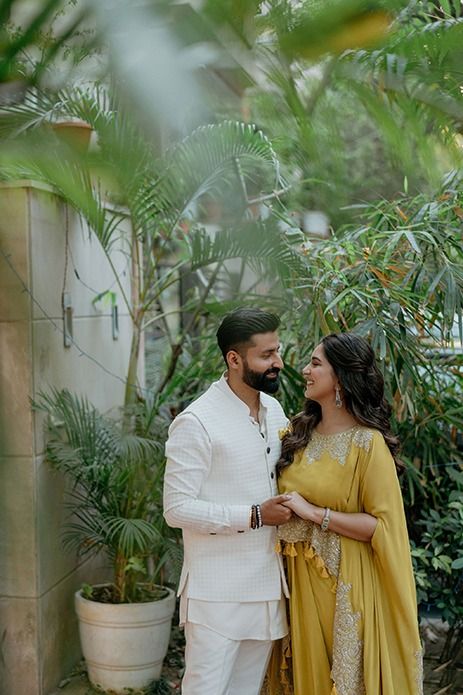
{"type": "Point", "coordinates": [120, 576]}
{"type": "Point", "coordinates": [137, 322]}
{"type": "Point", "coordinates": [178, 347]}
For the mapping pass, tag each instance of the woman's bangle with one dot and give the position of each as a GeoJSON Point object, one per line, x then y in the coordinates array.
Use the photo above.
{"type": "Point", "coordinates": [326, 520]}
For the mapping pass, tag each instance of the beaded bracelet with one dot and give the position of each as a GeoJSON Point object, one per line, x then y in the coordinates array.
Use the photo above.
{"type": "Point", "coordinates": [255, 517]}
{"type": "Point", "coordinates": [259, 516]}
{"type": "Point", "coordinates": [251, 511]}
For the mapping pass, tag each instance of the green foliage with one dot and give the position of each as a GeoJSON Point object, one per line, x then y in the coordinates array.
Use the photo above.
{"type": "Point", "coordinates": [350, 117]}
{"type": "Point", "coordinates": [114, 500]}
{"type": "Point", "coordinates": [438, 559]}
{"type": "Point", "coordinates": [160, 193]}
{"type": "Point", "coordinates": [260, 244]}
{"type": "Point", "coordinates": [29, 51]}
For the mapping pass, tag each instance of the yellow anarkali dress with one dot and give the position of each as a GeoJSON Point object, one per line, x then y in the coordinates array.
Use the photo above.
{"type": "Point", "coordinates": [352, 609]}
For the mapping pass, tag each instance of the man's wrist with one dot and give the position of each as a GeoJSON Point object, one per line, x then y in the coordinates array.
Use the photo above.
{"type": "Point", "coordinates": [239, 518]}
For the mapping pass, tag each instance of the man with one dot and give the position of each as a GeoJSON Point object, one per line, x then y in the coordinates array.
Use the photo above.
{"type": "Point", "coordinates": [220, 488]}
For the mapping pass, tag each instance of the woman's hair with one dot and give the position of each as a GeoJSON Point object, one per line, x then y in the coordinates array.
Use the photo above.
{"type": "Point", "coordinates": [239, 326]}
{"type": "Point", "coordinates": [353, 361]}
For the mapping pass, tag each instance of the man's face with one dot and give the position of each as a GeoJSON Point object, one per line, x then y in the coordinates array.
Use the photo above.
{"type": "Point", "coordinates": [261, 363]}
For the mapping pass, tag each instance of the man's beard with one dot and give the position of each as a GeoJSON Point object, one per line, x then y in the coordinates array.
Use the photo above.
{"type": "Point", "coordinates": [261, 380]}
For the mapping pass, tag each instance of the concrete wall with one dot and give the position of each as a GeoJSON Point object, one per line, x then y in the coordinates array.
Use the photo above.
{"type": "Point", "coordinates": [38, 630]}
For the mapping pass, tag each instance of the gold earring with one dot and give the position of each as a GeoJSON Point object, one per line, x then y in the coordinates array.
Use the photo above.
{"type": "Point", "coordinates": [338, 399]}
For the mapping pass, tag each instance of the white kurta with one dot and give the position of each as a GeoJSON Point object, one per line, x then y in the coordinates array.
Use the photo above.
{"type": "Point", "coordinates": [220, 461]}
{"type": "Point", "coordinates": [259, 620]}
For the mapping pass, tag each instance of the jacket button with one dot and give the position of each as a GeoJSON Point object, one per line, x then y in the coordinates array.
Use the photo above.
{"type": "Point", "coordinates": [240, 531]}
{"type": "Point", "coordinates": [212, 533]}
{"type": "Point", "coordinates": [268, 450]}
{"type": "Point", "coordinates": [272, 475]}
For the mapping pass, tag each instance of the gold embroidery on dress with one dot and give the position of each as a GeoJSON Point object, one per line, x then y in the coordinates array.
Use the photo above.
{"type": "Point", "coordinates": [363, 438]}
{"type": "Point", "coordinates": [419, 672]}
{"type": "Point", "coordinates": [296, 529]}
{"type": "Point", "coordinates": [337, 445]}
{"type": "Point", "coordinates": [326, 544]}
{"type": "Point", "coordinates": [347, 671]}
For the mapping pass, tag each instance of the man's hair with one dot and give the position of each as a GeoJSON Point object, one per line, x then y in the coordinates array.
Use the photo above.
{"type": "Point", "coordinates": [238, 327]}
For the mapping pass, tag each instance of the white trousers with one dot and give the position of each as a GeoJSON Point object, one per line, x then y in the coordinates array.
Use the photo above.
{"type": "Point", "coordinates": [216, 665]}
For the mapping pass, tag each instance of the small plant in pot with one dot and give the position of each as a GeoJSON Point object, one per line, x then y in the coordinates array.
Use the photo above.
{"type": "Point", "coordinates": [114, 500]}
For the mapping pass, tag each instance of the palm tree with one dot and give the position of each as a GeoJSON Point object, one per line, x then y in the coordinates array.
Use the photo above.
{"type": "Point", "coordinates": [158, 192]}
{"type": "Point", "coordinates": [113, 497]}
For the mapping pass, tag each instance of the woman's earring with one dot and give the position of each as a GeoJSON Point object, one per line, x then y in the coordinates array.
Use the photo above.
{"type": "Point", "coordinates": [338, 399]}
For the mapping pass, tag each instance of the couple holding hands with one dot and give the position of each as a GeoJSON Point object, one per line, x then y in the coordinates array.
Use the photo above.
{"type": "Point", "coordinates": [298, 523]}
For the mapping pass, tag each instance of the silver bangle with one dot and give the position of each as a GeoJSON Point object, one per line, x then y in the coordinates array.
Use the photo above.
{"type": "Point", "coordinates": [326, 520]}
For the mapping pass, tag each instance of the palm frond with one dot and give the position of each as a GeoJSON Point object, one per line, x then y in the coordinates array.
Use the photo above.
{"type": "Point", "coordinates": [209, 160]}
{"type": "Point", "coordinates": [131, 536]}
{"type": "Point", "coordinates": [260, 242]}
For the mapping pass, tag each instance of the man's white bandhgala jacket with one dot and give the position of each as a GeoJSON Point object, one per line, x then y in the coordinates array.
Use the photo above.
{"type": "Point", "coordinates": [218, 465]}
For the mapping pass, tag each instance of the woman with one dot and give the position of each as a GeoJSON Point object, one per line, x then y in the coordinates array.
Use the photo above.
{"type": "Point", "coordinates": [354, 627]}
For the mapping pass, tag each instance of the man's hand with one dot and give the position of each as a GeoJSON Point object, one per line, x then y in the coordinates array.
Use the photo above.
{"type": "Point", "coordinates": [274, 511]}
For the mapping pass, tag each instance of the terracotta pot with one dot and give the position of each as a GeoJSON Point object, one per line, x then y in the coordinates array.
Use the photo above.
{"type": "Point", "coordinates": [75, 133]}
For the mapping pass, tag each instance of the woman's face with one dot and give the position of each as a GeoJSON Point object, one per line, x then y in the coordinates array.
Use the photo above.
{"type": "Point", "coordinates": [319, 377]}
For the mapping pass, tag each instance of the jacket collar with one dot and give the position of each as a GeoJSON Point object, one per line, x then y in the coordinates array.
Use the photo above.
{"type": "Point", "coordinates": [223, 386]}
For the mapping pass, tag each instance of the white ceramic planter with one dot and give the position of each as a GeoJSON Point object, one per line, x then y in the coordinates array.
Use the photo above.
{"type": "Point", "coordinates": [124, 645]}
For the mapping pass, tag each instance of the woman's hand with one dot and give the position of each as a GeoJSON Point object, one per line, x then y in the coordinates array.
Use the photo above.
{"type": "Point", "coordinates": [303, 508]}
{"type": "Point", "coordinates": [357, 525]}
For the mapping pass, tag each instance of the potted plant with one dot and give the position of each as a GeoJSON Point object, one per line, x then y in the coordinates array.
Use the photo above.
{"type": "Point", "coordinates": [114, 504]}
